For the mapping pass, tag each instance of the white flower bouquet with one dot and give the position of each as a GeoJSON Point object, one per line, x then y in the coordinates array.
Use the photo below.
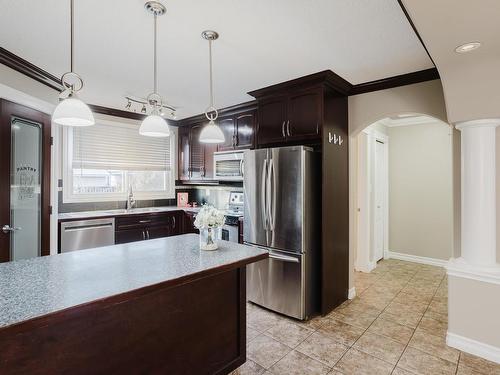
{"type": "Point", "coordinates": [209, 217]}
{"type": "Point", "coordinates": [208, 220]}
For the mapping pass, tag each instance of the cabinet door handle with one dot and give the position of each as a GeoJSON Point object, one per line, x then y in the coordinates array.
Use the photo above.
{"type": "Point", "coordinates": [283, 129]}
{"type": "Point", "coordinates": [173, 221]}
{"type": "Point", "coordinates": [143, 235]}
{"type": "Point", "coordinates": [144, 221]}
{"type": "Point", "coordinates": [288, 128]}
{"type": "Point", "coordinates": [147, 232]}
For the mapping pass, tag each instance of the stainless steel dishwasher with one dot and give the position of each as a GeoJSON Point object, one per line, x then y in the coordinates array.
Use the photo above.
{"type": "Point", "coordinates": [87, 234]}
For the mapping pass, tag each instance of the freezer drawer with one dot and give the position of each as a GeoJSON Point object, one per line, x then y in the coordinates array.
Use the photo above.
{"type": "Point", "coordinates": [277, 283]}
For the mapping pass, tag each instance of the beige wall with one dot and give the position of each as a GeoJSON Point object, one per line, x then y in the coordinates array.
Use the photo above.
{"type": "Point", "coordinates": [425, 98]}
{"type": "Point", "coordinates": [365, 109]}
{"type": "Point", "coordinates": [472, 302]}
{"type": "Point", "coordinates": [420, 190]}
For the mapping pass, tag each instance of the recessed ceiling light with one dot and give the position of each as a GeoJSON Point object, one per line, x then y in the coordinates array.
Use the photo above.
{"type": "Point", "coordinates": [468, 47]}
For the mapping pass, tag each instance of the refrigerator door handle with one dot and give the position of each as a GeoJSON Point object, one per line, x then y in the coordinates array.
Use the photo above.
{"type": "Point", "coordinates": [271, 194]}
{"type": "Point", "coordinates": [263, 195]}
{"type": "Point", "coordinates": [284, 258]}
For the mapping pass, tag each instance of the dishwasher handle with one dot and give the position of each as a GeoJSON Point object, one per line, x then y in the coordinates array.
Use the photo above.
{"type": "Point", "coordinates": [87, 227]}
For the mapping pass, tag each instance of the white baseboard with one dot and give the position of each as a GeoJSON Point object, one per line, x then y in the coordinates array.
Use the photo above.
{"type": "Point", "coordinates": [417, 259]}
{"type": "Point", "coordinates": [367, 268]}
{"type": "Point", "coordinates": [352, 293]}
{"type": "Point", "coordinates": [486, 351]}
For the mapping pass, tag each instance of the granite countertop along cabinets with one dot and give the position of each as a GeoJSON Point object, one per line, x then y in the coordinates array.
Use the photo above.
{"type": "Point", "coordinates": [40, 286]}
{"type": "Point", "coordinates": [134, 211]}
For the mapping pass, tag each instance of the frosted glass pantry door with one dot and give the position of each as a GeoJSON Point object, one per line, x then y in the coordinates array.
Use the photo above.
{"type": "Point", "coordinates": [25, 189]}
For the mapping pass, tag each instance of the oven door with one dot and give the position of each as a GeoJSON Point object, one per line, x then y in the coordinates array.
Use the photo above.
{"type": "Point", "coordinates": [229, 233]}
{"type": "Point", "coordinates": [277, 283]}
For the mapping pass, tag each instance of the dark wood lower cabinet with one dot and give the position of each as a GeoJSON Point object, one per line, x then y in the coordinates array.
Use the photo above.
{"type": "Point", "coordinates": [132, 228]}
{"type": "Point", "coordinates": [129, 235]}
{"type": "Point", "coordinates": [196, 326]}
{"type": "Point", "coordinates": [188, 226]}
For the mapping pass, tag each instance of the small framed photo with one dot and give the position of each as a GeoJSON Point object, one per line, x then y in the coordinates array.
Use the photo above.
{"type": "Point", "coordinates": [182, 200]}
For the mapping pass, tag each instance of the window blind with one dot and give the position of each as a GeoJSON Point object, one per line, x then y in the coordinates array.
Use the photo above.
{"type": "Point", "coordinates": [119, 147]}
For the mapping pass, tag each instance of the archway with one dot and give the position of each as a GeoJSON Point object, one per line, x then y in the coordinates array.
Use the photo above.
{"type": "Point", "coordinates": [419, 194]}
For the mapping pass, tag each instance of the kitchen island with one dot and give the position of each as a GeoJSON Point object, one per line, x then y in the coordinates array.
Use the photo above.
{"type": "Point", "coordinates": [157, 306]}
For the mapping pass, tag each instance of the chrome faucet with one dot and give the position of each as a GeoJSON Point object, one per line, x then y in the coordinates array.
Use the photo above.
{"type": "Point", "coordinates": [130, 198]}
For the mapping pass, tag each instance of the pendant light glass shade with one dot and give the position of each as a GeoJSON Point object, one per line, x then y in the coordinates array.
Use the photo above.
{"type": "Point", "coordinates": [73, 112]}
{"type": "Point", "coordinates": [154, 126]}
{"type": "Point", "coordinates": [211, 133]}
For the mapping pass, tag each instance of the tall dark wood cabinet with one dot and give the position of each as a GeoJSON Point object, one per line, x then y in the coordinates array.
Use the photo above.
{"type": "Point", "coordinates": [312, 110]}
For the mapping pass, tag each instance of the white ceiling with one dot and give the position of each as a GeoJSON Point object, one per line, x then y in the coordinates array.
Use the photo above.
{"type": "Point", "coordinates": [408, 120]}
{"type": "Point", "coordinates": [470, 80]}
{"type": "Point", "coordinates": [262, 42]}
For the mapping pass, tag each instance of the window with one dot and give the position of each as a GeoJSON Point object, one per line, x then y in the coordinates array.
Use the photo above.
{"type": "Point", "coordinates": [101, 161]}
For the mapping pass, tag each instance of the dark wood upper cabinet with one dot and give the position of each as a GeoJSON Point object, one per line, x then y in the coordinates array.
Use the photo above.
{"type": "Point", "coordinates": [227, 126]}
{"type": "Point", "coordinates": [196, 159]}
{"type": "Point", "coordinates": [197, 154]}
{"type": "Point", "coordinates": [244, 124]}
{"type": "Point", "coordinates": [295, 117]}
{"type": "Point", "coordinates": [305, 115]}
{"type": "Point", "coordinates": [272, 121]}
{"type": "Point", "coordinates": [184, 157]}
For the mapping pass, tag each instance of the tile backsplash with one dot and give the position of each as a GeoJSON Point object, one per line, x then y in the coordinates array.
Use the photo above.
{"type": "Point", "coordinates": [215, 195]}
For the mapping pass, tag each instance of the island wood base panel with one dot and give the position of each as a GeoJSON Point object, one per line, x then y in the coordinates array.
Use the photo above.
{"type": "Point", "coordinates": [198, 327]}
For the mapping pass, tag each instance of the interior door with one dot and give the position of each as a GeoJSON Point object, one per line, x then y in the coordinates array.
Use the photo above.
{"type": "Point", "coordinates": [24, 182]}
{"type": "Point", "coordinates": [379, 200]}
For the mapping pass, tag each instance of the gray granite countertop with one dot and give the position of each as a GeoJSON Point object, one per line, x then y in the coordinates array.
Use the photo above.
{"type": "Point", "coordinates": [39, 286]}
{"type": "Point", "coordinates": [103, 213]}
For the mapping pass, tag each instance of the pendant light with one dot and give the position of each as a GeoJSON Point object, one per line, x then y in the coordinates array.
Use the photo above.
{"type": "Point", "coordinates": [71, 111]}
{"type": "Point", "coordinates": [154, 125]}
{"type": "Point", "coordinates": [211, 133]}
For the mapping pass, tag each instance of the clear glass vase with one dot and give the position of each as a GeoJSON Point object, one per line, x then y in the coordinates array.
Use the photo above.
{"type": "Point", "coordinates": [208, 238]}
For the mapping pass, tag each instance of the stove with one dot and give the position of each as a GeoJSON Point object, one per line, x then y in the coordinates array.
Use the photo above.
{"type": "Point", "coordinates": [233, 214]}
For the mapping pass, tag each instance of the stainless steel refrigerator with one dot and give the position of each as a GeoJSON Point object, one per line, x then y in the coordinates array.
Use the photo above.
{"type": "Point", "coordinates": [283, 214]}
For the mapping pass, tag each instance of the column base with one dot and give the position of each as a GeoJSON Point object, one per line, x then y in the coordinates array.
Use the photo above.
{"type": "Point", "coordinates": [460, 268]}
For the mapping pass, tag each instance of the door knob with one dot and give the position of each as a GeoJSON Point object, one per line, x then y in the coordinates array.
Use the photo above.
{"type": "Point", "coordinates": [7, 228]}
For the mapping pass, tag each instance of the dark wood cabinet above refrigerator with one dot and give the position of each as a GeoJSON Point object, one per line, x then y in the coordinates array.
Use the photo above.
{"type": "Point", "coordinates": [293, 112]}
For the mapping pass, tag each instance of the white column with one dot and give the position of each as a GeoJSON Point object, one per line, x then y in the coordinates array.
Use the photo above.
{"type": "Point", "coordinates": [479, 194]}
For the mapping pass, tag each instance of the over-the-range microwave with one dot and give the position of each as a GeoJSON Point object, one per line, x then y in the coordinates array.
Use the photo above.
{"type": "Point", "coordinates": [228, 165]}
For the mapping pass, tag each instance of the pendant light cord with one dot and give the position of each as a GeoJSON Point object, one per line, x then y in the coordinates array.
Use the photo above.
{"type": "Point", "coordinates": [155, 68]}
{"type": "Point", "coordinates": [211, 74]}
{"type": "Point", "coordinates": [72, 18]}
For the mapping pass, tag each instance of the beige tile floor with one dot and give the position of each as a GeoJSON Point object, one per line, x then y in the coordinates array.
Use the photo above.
{"type": "Point", "coordinates": [396, 325]}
